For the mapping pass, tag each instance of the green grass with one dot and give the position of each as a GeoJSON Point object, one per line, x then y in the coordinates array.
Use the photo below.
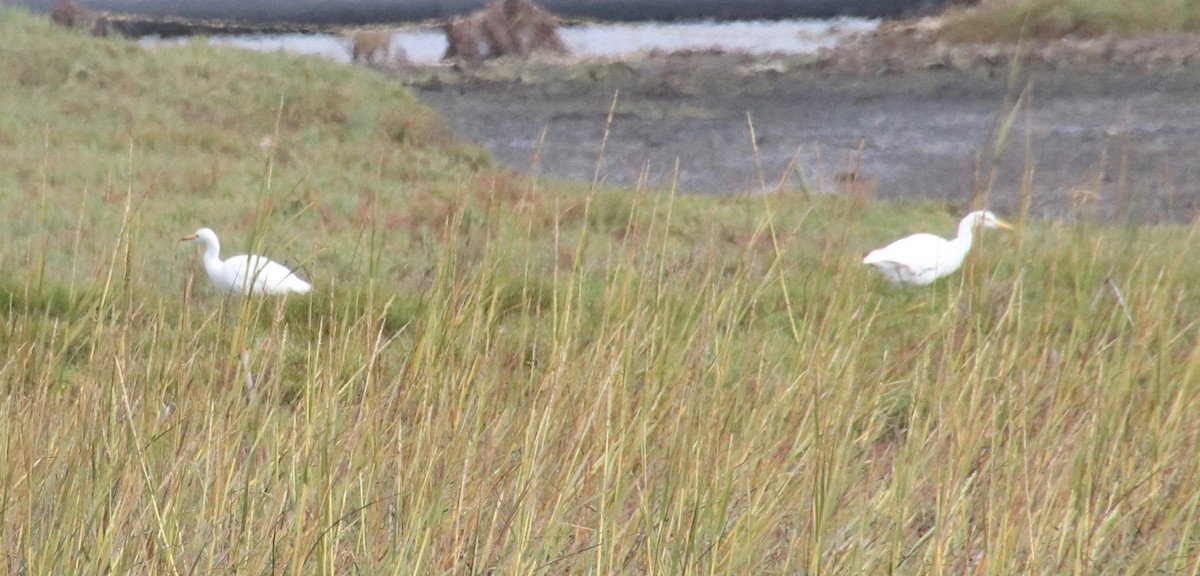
{"type": "Point", "coordinates": [503, 375]}
{"type": "Point", "coordinates": [995, 20]}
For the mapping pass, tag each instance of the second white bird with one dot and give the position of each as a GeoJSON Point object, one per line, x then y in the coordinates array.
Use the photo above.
{"type": "Point", "coordinates": [246, 274]}
{"type": "Point", "coordinates": [920, 259]}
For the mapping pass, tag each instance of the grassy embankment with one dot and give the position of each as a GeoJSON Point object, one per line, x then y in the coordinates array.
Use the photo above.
{"type": "Point", "coordinates": [499, 374]}
{"type": "Point", "coordinates": [993, 20]}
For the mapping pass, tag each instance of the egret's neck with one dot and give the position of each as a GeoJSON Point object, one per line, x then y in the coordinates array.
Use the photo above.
{"type": "Point", "coordinates": [966, 233]}
{"type": "Point", "coordinates": [212, 253]}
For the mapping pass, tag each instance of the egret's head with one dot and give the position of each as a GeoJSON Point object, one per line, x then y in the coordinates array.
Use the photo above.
{"type": "Point", "coordinates": [203, 235]}
{"type": "Point", "coordinates": [985, 219]}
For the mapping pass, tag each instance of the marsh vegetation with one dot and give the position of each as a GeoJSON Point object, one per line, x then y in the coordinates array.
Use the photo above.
{"type": "Point", "coordinates": [498, 373]}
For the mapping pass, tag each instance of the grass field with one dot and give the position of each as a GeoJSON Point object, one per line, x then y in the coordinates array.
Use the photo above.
{"type": "Point", "coordinates": [993, 20]}
{"type": "Point", "coordinates": [505, 375]}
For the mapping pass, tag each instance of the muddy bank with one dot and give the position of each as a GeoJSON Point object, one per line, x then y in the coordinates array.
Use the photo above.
{"type": "Point", "coordinates": [1109, 130]}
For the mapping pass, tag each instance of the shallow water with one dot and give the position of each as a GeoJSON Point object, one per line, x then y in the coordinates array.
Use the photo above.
{"type": "Point", "coordinates": [605, 40]}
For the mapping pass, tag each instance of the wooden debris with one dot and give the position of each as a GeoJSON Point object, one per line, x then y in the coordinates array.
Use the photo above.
{"type": "Point", "coordinates": [372, 46]}
{"type": "Point", "coordinates": [71, 15]}
{"type": "Point", "coordinates": [503, 28]}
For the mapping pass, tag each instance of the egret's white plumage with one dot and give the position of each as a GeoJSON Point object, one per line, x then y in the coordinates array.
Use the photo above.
{"type": "Point", "coordinates": [920, 259]}
{"type": "Point", "coordinates": [246, 274]}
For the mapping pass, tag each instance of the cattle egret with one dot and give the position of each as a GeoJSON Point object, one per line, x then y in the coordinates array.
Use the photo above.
{"type": "Point", "coordinates": [920, 259]}
{"type": "Point", "coordinates": [246, 274]}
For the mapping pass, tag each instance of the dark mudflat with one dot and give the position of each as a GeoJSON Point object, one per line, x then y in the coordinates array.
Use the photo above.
{"type": "Point", "coordinates": [1101, 142]}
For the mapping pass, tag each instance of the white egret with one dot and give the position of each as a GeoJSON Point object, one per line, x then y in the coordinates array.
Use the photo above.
{"type": "Point", "coordinates": [920, 259]}
{"type": "Point", "coordinates": [246, 274]}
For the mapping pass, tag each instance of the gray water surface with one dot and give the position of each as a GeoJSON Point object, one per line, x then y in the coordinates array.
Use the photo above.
{"type": "Point", "coordinates": [426, 45]}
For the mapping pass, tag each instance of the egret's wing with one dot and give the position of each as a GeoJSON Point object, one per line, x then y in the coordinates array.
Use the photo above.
{"type": "Point", "coordinates": [255, 271]}
{"type": "Point", "coordinates": [260, 274]}
{"type": "Point", "coordinates": [917, 254]}
{"type": "Point", "coordinates": [243, 267]}
{"type": "Point", "coordinates": [279, 279]}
